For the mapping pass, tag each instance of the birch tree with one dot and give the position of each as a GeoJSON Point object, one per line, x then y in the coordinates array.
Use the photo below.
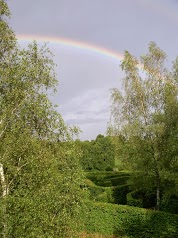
{"type": "Point", "coordinates": [37, 175]}
{"type": "Point", "coordinates": [145, 113]}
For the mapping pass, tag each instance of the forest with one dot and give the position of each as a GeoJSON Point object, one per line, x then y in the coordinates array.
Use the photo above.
{"type": "Point", "coordinates": [122, 184]}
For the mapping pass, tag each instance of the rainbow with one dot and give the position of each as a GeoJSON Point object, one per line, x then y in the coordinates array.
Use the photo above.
{"type": "Point", "coordinates": [84, 46]}
{"type": "Point", "coordinates": [72, 43]}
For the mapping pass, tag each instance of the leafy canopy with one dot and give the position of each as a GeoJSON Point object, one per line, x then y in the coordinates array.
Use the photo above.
{"type": "Point", "coordinates": [145, 113]}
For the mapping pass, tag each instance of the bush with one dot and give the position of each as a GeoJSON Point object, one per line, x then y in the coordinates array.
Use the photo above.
{"type": "Point", "coordinates": [97, 154]}
{"type": "Point", "coordinates": [131, 201]}
{"type": "Point", "coordinates": [170, 206]}
{"type": "Point", "coordinates": [102, 186]}
{"type": "Point", "coordinates": [108, 179]}
{"type": "Point", "coordinates": [95, 191]}
{"type": "Point", "coordinates": [120, 194]}
{"type": "Point", "coordinates": [115, 194]}
{"type": "Point", "coordinates": [118, 220]}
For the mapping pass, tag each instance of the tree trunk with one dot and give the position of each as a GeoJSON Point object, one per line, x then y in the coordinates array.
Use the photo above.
{"type": "Point", "coordinates": [158, 197]}
{"type": "Point", "coordinates": [3, 182]}
{"type": "Point", "coordinates": [5, 192]}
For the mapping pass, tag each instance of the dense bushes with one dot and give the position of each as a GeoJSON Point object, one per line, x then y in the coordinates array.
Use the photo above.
{"type": "Point", "coordinates": [108, 179]}
{"type": "Point", "coordinates": [131, 201]}
{"type": "Point", "coordinates": [102, 187]}
{"type": "Point", "coordinates": [170, 205]}
{"type": "Point", "coordinates": [116, 195]}
{"type": "Point", "coordinates": [98, 154]}
{"type": "Point", "coordinates": [118, 220]}
{"type": "Point", "coordinates": [115, 187]}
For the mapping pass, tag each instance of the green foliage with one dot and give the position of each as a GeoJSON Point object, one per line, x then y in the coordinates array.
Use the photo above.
{"type": "Point", "coordinates": [98, 193]}
{"type": "Point", "coordinates": [131, 201]}
{"type": "Point", "coordinates": [40, 179]}
{"type": "Point", "coordinates": [144, 119]}
{"type": "Point", "coordinates": [8, 41]}
{"type": "Point", "coordinates": [115, 195]}
{"type": "Point", "coordinates": [120, 194]}
{"type": "Point", "coordinates": [170, 205]}
{"type": "Point", "coordinates": [110, 187]}
{"type": "Point", "coordinates": [46, 197]}
{"type": "Point", "coordinates": [98, 154]}
{"type": "Point", "coordinates": [119, 220]}
{"type": "Point", "coordinates": [107, 179]}
{"type": "Point", "coordinates": [4, 10]}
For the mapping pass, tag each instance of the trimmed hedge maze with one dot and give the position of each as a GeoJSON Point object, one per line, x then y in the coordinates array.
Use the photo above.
{"type": "Point", "coordinates": [132, 222]}
{"type": "Point", "coordinates": [110, 187]}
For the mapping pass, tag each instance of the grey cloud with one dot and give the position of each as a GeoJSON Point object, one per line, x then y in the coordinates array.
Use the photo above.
{"type": "Point", "coordinates": [85, 77]}
{"type": "Point", "coordinates": [80, 122]}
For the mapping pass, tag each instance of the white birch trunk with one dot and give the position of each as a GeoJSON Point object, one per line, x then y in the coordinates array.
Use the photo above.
{"type": "Point", "coordinates": [5, 192]}
{"type": "Point", "coordinates": [3, 182]}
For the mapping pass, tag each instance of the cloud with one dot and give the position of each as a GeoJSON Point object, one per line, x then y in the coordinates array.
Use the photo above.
{"type": "Point", "coordinates": [83, 93]}
{"type": "Point", "coordinates": [90, 111]}
{"type": "Point", "coordinates": [93, 102]}
{"type": "Point", "coordinates": [85, 77]}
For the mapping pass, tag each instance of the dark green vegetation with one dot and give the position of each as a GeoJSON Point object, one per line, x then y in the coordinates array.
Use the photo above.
{"type": "Point", "coordinates": [108, 186]}
{"type": "Point", "coordinates": [43, 192]}
{"type": "Point", "coordinates": [143, 130]}
{"type": "Point", "coordinates": [98, 154]}
{"type": "Point", "coordinates": [130, 222]}
{"type": "Point", "coordinates": [125, 188]}
{"type": "Point", "coordinates": [103, 216]}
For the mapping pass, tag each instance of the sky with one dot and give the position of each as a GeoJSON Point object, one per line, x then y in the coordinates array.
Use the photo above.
{"type": "Point", "coordinates": [86, 76]}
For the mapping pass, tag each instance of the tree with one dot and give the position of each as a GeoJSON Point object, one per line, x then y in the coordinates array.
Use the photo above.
{"type": "Point", "coordinates": [98, 154]}
{"type": "Point", "coordinates": [103, 153]}
{"type": "Point", "coordinates": [145, 114]}
{"type": "Point", "coordinates": [40, 180]}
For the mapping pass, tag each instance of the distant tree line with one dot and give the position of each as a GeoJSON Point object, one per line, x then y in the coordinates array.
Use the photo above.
{"type": "Point", "coordinates": [98, 154]}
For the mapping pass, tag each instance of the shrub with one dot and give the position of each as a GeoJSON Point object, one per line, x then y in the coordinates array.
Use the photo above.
{"type": "Point", "coordinates": [108, 179]}
{"type": "Point", "coordinates": [119, 220]}
{"type": "Point", "coordinates": [115, 194]}
{"type": "Point", "coordinates": [170, 206]}
{"type": "Point", "coordinates": [120, 194]}
{"type": "Point", "coordinates": [133, 201]}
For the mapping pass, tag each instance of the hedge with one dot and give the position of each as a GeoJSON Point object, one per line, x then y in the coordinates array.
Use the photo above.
{"type": "Point", "coordinates": [108, 179]}
{"type": "Point", "coordinates": [122, 220]}
{"type": "Point", "coordinates": [170, 206]}
{"type": "Point", "coordinates": [131, 201]}
{"type": "Point", "coordinates": [116, 195]}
